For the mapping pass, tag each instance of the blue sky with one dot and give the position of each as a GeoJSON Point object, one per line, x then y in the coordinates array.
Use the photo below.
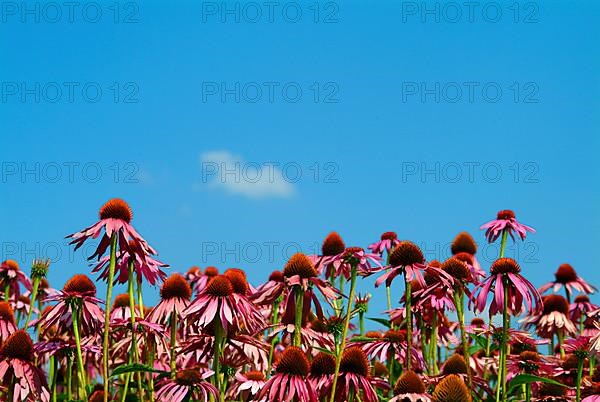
{"type": "Point", "coordinates": [359, 127]}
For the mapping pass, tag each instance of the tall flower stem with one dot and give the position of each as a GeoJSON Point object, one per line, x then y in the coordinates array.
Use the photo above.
{"type": "Point", "coordinates": [460, 307]}
{"type": "Point", "coordinates": [219, 336]}
{"type": "Point", "coordinates": [109, 288]}
{"type": "Point", "coordinates": [388, 292]}
{"type": "Point", "coordinates": [361, 323]}
{"type": "Point", "coordinates": [433, 346]}
{"type": "Point", "coordinates": [34, 291]}
{"type": "Point", "coordinates": [504, 347]}
{"type": "Point", "coordinates": [134, 346]}
{"type": "Point", "coordinates": [173, 356]}
{"type": "Point", "coordinates": [560, 336]}
{"type": "Point", "coordinates": [580, 362]}
{"type": "Point", "coordinates": [6, 291]}
{"type": "Point", "coordinates": [338, 358]}
{"type": "Point", "coordinates": [53, 374]}
{"type": "Point", "coordinates": [69, 376]}
{"type": "Point", "coordinates": [299, 310]}
{"type": "Point", "coordinates": [274, 320]}
{"type": "Point", "coordinates": [75, 318]}
{"type": "Point", "coordinates": [409, 336]}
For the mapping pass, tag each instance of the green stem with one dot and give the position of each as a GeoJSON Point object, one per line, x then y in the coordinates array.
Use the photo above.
{"type": "Point", "coordinates": [460, 306]}
{"type": "Point", "coordinates": [433, 345]}
{"type": "Point", "coordinates": [34, 291]}
{"type": "Point", "coordinates": [69, 373]}
{"type": "Point", "coordinates": [528, 392]}
{"type": "Point", "coordinates": [409, 336]}
{"type": "Point", "coordinates": [503, 243]}
{"type": "Point", "coordinates": [580, 363]}
{"type": "Point", "coordinates": [134, 347]}
{"type": "Point", "coordinates": [109, 288]}
{"type": "Point", "coordinates": [219, 336]}
{"type": "Point", "coordinates": [560, 335]}
{"type": "Point", "coordinates": [80, 367]}
{"type": "Point", "coordinates": [52, 376]}
{"type": "Point", "coordinates": [388, 292]}
{"type": "Point", "coordinates": [505, 325]}
{"type": "Point", "coordinates": [338, 358]}
{"type": "Point", "coordinates": [299, 311]}
{"type": "Point", "coordinates": [6, 291]}
{"type": "Point", "coordinates": [361, 323]}
{"type": "Point", "coordinates": [173, 357]}
{"type": "Point", "coordinates": [274, 319]}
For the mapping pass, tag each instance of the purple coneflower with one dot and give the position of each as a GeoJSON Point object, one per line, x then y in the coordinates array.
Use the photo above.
{"type": "Point", "coordinates": [247, 386]}
{"type": "Point", "coordinates": [566, 276]}
{"type": "Point", "coordinates": [289, 383]}
{"type": "Point", "coordinates": [8, 325]}
{"type": "Point", "coordinates": [355, 377]}
{"type": "Point", "coordinates": [10, 278]}
{"type": "Point", "coordinates": [388, 241]}
{"type": "Point", "coordinates": [23, 380]}
{"type": "Point", "coordinates": [410, 388]}
{"type": "Point", "coordinates": [505, 222]}
{"type": "Point", "coordinates": [188, 384]}
{"type": "Point", "coordinates": [451, 389]}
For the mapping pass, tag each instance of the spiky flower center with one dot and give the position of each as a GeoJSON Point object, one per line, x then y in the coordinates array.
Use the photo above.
{"type": "Point", "coordinates": [395, 336]}
{"type": "Point", "coordinates": [219, 286]}
{"type": "Point", "coordinates": [409, 383]}
{"type": "Point", "coordinates": [322, 364]}
{"type": "Point", "coordinates": [175, 286]}
{"type": "Point", "coordinates": [6, 312]}
{"type": "Point", "coordinates": [478, 322]}
{"type": "Point", "coordinates": [80, 283]}
{"type": "Point", "coordinates": [529, 361]}
{"type": "Point", "coordinates": [255, 376]}
{"type": "Point", "coordinates": [39, 268]}
{"type": "Point", "coordinates": [380, 370]}
{"type": "Point", "coordinates": [293, 361]}
{"type": "Point", "coordinates": [457, 269]}
{"type": "Point", "coordinates": [276, 276]}
{"type": "Point", "coordinates": [211, 271]}
{"type": "Point", "coordinates": [194, 271]}
{"type": "Point", "coordinates": [373, 334]}
{"type": "Point", "coordinates": [121, 301]}
{"type": "Point", "coordinates": [451, 389]}
{"type": "Point", "coordinates": [389, 236]}
{"type": "Point", "coordinates": [565, 274]}
{"type": "Point", "coordinates": [17, 346]}
{"type": "Point", "coordinates": [505, 266]}
{"type": "Point", "coordinates": [455, 365]}
{"type": "Point", "coordinates": [406, 253]}
{"type": "Point", "coordinates": [299, 264]}
{"type": "Point", "coordinates": [333, 244]}
{"type": "Point", "coordinates": [188, 377]}
{"type": "Point", "coordinates": [582, 299]}
{"type": "Point", "coordinates": [555, 303]}
{"type": "Point", "coordinates": [463, 243]}
{"type": "Point", "coordinates": [354, 360]}
{"type": "Point", "coordinates": [464, 257]}
{"type": "Point", "coordinates": [506, 214]}
{"type": "Point", "coordinates": [116, 208]}
{"type": "Point", "coordinates": [238, 282]}
{"type": "Point", "coordinates": [11, 264]}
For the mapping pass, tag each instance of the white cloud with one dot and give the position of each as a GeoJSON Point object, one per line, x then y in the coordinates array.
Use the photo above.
{"type": "Point", "coordinates": [226, 171]}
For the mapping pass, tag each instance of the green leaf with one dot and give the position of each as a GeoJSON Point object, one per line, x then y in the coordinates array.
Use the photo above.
{"type": "Point", "coordinates": [528, 379]}
{"type": "Point", "coordinates": [134, 368]}
{"type": "Point", "coordinates": [382, 321]}
{"type": "Point", "coordinates": [329, 352]}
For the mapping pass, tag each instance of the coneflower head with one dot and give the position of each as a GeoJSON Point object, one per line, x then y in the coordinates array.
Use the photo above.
{"type": "Point", "coordinates": [322, 364]}
{"type": "Point", "coordinates": [451, 389]}
{"type": "Point", "coordinates": [555, 303]}
{"type": "Point", "coordinates": [409, 383]}
{"type": "Point", "coordinates": [505, 266]}
{"type": "Point", "coordinates": [80, 283]}
{"type": "Point", "coordinates": [293, 361]}
{"type": "Point", "coordinates": [175, 286]}
{"type": "Point", "coordinates": [219, 286]}
{"type": "Point", "coordinates": [299, 264]}
{"type": "Point", "coordinates": [7, 313]}
{"type": "Point", "coordinates": [354, 360]}
{"type": "Point", "coordinates": [565, 274]}
{"type": "Point", "coordinates": [17, 346]}
{"type": "Point", "coordinates": [116, 208]}
{"type": "Point", "coordinates": [406, 253]}
{"type": "Point", "coordinates": [506, 214]}
{"type": "Point", "coordinates": [455, 365]}
{"type": "Point", "coordinates": [463, 243]}
{"type": "Point", "coordinates": [333, 245]}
